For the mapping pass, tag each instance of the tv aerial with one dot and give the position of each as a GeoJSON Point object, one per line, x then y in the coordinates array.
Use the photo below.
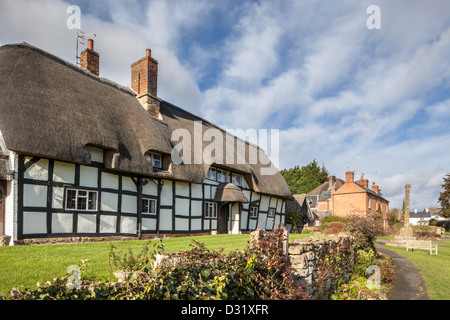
{"type": "Point", "coordinates": [81, 37]}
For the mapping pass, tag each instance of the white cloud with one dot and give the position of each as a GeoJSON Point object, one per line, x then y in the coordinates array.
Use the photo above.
{"type": "Point", "coordinates": [335, 89]}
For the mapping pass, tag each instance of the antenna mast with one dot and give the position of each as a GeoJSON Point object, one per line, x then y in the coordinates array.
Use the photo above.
{"type": "Point", "coordinates": [81, 36]}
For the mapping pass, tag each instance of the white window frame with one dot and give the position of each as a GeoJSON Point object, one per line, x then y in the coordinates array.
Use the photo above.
{"type": "Point", "coordinates": [210, 210]}
{"type": "Point", "coordinates": [149, 206]}
{"type": "Point", "coordinates": [78, 196]}
{"type": "Point", "coordinates": [234, 179]}
{"type": "Point", "coordinates": [156, 163]}
{"type": "Point", "coordinates": [222, 173]}
{"type": "Point", "coordinates": [271, 213]}
{"type": "Point", "coordinates": [253, 212]}
{"type": "Point", "coordinates": [212, 174]}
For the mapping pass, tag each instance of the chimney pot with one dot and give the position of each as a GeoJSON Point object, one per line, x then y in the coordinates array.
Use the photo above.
{"type": "Point", "coordinates": [91, 44]}
{"type": "Point", "coordinates": [148, 53]}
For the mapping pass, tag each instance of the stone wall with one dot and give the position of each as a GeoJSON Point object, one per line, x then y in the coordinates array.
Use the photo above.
{"type": "Point", "coordinates": [307, 257]}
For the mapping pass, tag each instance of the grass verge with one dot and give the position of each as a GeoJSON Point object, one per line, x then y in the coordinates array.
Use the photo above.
{"type": "Point", "coordinates": [434, 269]}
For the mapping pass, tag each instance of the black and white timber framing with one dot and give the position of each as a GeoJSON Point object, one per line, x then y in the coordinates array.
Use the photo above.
{"type": "Point", "coordinates": [180, 206]}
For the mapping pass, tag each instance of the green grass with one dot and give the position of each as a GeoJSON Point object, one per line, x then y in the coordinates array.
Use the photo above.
{"type": "Point", "coordinates": [434, 269]}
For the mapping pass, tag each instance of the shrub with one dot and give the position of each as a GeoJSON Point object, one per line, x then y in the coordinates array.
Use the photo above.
{"type": "Point", "coordinates": [335, 227]}
{"type": "Point", "coordinates": [127, 261]}
{"type": "Point", "coordinates": [365, 229]}
{"type": "Point", "coordinates": [327, 220]}
{"type": "Point", "coordinates": [444, 223]}
{"type": "Point", "coordinates": [295, 218]}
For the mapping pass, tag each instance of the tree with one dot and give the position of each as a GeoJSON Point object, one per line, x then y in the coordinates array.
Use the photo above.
{"type": "Point", "coordinates": [306, 178]}
{"type": "Point", "coordinates": [444, 197]}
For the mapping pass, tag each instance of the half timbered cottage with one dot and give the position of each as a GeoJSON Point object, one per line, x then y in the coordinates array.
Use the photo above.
{"type": "Point", "coordinates": [83, 158]}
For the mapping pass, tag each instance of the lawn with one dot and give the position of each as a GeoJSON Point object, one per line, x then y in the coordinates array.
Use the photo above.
{"type": "Point", "coordinates": [434, 269]}
{"type": "Point", "coordinates": [24, 266]}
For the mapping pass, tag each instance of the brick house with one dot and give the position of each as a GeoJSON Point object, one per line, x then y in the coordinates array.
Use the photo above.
{"type": "Point", "coordinates": [342, 198]}
{"type": "Point", "coordinates": [355, 197]}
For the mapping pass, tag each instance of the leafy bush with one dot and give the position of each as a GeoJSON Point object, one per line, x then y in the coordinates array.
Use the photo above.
{"type": "Point", "coordinates": [127, 261]}
{"type": "Point", "coordinates": [295, 218]}
{"type": "Point", "coordinates": [258, 272]}
{"type": "Point", "coordinates": [329, 219]}
{"type": "Point", "coordinates": [444, 223]}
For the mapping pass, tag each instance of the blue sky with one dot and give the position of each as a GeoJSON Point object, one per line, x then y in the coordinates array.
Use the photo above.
{"type": "Point", "coordinates": [376, 101]}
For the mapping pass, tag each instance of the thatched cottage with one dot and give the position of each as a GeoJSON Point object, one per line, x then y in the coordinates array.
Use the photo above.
{"type": "Point", "coordinates": [83, 158]}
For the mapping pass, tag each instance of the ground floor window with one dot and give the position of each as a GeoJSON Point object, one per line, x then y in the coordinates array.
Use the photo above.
{"type": "Point", "coordinates": [254, 212]}
{"type": "Point", "coordinates": [83, 200]}
{"type": "Point", "coordinates": [149, 206]}
{"type": "Point", "coordinates": [210, 210]}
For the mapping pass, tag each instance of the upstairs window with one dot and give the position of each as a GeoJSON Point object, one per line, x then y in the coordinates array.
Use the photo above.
{"type": "Point", "coordinates": [271, 213]}
{"type": "Point", "coordinates": [82, 200]}
{"type": "Point", "coordinates": [156, 160]}
{"type": "Point", "coordinates": [236, 179]}
{"type": "Point", "coordinates": [221, 175]}
{"type": "Point", "coordinates": [211, 175]}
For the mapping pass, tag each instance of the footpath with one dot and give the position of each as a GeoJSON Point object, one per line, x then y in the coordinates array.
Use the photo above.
{"type": "Point", "coordinates": [408, 283]}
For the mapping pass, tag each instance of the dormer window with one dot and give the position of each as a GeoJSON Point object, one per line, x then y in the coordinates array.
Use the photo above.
{"type": "Point", "coordinates": [221, 175]}
{"type": "Point", "coordinates": [156, 160]}
{"type": "Point", "coordinates": [211, 175]}
{"type": "Point", "coordinates": [236, 179]}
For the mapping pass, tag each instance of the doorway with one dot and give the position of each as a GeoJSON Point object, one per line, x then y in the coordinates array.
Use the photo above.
{"type": "Point", "coordinates": [224, 216]}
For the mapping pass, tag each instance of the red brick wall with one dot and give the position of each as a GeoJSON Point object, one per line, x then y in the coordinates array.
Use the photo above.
{"type": "Point", "coordinates": [90, 60]}
{"type": "Point", "coordinates": [144, 76]}
{"type": "Point", "coordinates": [352, 199]}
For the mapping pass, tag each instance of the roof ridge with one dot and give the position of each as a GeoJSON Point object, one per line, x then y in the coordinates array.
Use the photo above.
{"type": "Point", "coordinates": [72, 66]}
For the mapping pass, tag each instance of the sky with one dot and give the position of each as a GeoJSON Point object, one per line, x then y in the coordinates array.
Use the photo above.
{"type": "Point", "coordinates": [375, 101]}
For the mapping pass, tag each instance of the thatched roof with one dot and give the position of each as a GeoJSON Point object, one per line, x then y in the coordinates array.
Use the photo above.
{"type": "Point", "coordinates": [3, 168]}
{"type": "Point", "coordinates": [55, 109]}
{"type": "Point", "coordinates": [228, 192]}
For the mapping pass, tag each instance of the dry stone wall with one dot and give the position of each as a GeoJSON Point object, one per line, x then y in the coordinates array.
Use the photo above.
{"type": "Point", "coordinates": [307, 257]}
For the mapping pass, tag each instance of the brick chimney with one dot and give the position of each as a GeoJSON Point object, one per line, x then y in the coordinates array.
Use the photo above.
{"type": "Point", "coordinates": [349, 175]}
{"type": "Point", "coordinates": [331, 181]}
{"type": "Point", "coordinates": [90, 60]}
{"type": "Point", "coordinates": [144, 81]}
{"type": "Point", "coordinates": [363, 182]}
{"type": "Point", "coordinates": [375, 188]}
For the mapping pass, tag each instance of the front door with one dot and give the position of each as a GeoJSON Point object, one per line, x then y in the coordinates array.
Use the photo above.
{"type": "Point", "coordinates": [2, 206]}
{"type": "Point", "coordinates": [224, 214]}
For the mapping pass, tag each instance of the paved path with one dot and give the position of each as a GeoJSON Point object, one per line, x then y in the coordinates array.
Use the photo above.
{"type": "Point", "coordinates": [408, 283]}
